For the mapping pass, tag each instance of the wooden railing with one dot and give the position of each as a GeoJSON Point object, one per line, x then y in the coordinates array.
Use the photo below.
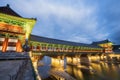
{"type": "Point", "coordinates": [64, 50]}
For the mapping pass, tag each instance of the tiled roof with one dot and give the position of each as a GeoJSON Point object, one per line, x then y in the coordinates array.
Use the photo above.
{"type": "Point", "coordinates": [7, 10]}
{"type": "Point", "coordinates": [101, 42]}
{"type": "Point", "coordinates": [56, 41]}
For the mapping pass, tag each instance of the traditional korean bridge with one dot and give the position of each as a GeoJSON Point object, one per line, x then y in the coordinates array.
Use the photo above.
{"type": "Point", "coordinates": [15, 36]}
{"type": "Point", "coordinates": [45, 45]}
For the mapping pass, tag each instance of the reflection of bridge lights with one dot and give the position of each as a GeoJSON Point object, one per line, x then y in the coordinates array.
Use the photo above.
{"type": "Point", "coordinates": [35, 65]}
{"type": "Point", "coordinates": [57, 64]}
{"type": "Point", "coordinates": [80, 74]}
{"type": "Point", "coordinates": [96, 67]}
{"type": "Point", "coordinates": [36, 70]}
{"type": "Point", "coordinates": [61, 61]}
{"type": "Point", "coordinates": [78, 59]}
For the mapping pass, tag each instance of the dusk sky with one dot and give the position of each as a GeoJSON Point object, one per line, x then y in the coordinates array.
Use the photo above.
{"type": "Point", "coordinates": [81, 21]}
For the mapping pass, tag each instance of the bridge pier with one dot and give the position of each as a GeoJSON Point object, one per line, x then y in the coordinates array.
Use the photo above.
{"type": "Point", "coordinates": [102, 57]}
{"type": "Point", "coordinates": [89, 57]}
{"type": "Point", "coordinates": [57, 62]}
{"type": "Point", "coordinates": [73, 60]}
{"type": "Point", "coordinates": [113, 58]}
{"type": "Point", "coordinates": [85, 59]}
{"type": "Point", "coordinates": [95, 58]}
{"type": "Point", "coordinates": [118, 57]}
{"type": "Point", "coordinates": [57, 69]}
{"type": "Point", "coordinates": [79, 59]}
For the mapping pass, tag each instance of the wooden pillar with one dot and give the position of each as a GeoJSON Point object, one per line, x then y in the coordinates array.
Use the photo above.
{"type": "Point", "coordinates": [38, 48]}
{"type": "Point", "coordinates": [31, 47]}
{"type": "Point", "coordinates": [1, 43]}
{"type": "Point", "coordinates": [5, 44]}
{"type": "Point", "coordinates": [18, 46]}
{"type": "Point", "coordinates": [89, 57]}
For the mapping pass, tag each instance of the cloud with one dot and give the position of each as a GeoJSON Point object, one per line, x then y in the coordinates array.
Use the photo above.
{"type": "Point", "coordinates": [101, 36]}
{"type": "Point", "coordinates": [69, 18]}
{"type": "Point", "coordinates": [74, 20]}
{"type": "Point", "coordinates": [79, 38]}
{"type": "Point", "coordinates": [46, 8]}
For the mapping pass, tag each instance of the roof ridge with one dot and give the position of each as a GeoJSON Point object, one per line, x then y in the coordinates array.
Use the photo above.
{"type": "Point", "coordinates": [57, 41]}
{"type": "Point", "coordinates": [9, 11]}
{"type": "Point", "coordinates": [100, 42]}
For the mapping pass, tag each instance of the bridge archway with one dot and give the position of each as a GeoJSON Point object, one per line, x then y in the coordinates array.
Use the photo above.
{"type": "Point", "coordinates": [84, 59]}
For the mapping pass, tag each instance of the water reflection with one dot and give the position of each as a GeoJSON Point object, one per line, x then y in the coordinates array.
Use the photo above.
{"type": "Point", "coordinates": [92, 71]}
{"type": "Point", "coordinates": [43, 70]}
{"type": "Point", "coordinates": [107, 71]}
{"type": "Point", "coordinates": [75, 72]}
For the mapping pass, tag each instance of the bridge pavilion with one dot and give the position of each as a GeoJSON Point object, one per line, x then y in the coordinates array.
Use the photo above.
{"type": "Point", "coordinates": [43, 44]}
{"type": "Point", "coordinates": [106, 44]}
{"type": "Point", "coordinates": [14, 29]}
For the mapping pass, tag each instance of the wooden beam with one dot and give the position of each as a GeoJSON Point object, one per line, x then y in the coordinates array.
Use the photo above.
{"type": "Point", "coordinates": [5, 44]}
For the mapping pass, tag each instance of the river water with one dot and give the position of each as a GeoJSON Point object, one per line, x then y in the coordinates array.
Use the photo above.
{"type": "Point", "coordinates": [96, 71]}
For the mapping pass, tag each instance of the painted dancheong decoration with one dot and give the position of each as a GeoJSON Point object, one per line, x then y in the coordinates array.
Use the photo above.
{"type": "Point", "coordinates": [14, 30]}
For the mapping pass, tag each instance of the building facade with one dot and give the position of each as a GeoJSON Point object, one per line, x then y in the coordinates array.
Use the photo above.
{"type": "Point", "coordinates": [14, 30]}
{"type": "Point", "coordinates": [106, 45]}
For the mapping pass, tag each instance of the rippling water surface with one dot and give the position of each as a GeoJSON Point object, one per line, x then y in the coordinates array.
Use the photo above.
{"type": "Point", "coordinates": [94, 71]}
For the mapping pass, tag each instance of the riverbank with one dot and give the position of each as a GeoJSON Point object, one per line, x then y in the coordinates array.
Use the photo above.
{"type": "Point", "coordinates": [16, 70]}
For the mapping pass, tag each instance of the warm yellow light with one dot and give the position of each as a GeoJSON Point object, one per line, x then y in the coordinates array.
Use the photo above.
{"type": "Point", "coordinates": [35, 66]}
{"type": "Point", "coordinates": [27, 35]}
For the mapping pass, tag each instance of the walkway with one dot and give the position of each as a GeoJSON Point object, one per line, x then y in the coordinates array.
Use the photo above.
{"type": "Point", "coordinates": [9, 69]}
{"type": "Point", "coordinates": [13, 56]}
{"type": "Point", "coordinates": [15, 66]}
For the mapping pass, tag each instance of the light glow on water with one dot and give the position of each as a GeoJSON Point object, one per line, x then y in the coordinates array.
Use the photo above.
{"type": "Point", "coordinates": [94, 71]}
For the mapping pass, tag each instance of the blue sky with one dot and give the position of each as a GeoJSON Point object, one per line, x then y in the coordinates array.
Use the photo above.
{"type": "Point", "coordinates": [81, 21]}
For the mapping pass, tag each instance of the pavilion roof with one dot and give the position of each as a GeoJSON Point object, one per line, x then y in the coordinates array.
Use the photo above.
{"type": "Point", "coordinates": [101, 42]}
{"type": "Point", "coordinates": [7, 10]}
{"type": "Point", "coordinates": [56, 41]}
